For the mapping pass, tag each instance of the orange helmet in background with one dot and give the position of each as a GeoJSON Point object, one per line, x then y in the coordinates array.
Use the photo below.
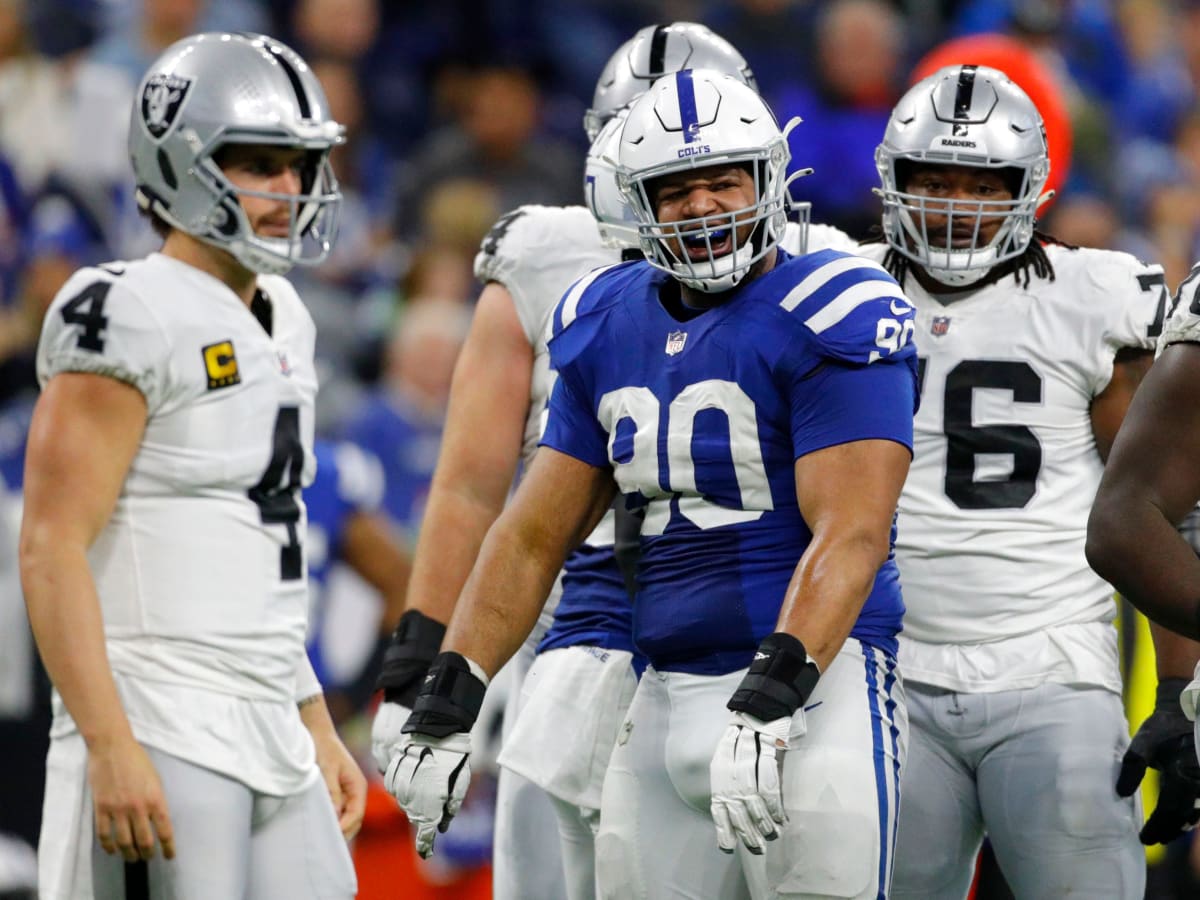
{"type": "Point", "coordinates": [1033, 76]}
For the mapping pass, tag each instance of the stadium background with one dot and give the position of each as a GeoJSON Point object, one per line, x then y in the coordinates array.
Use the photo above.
{"type": "Point", "coordinates": [458, 111]}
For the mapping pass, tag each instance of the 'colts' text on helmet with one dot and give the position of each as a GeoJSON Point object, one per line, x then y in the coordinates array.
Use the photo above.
{"type": "Point", "coordinates": [700, 120]}
{"type": "Point", "coordinates": [211, 90]}
{"type": "Point", "coordinates": [972, 116]}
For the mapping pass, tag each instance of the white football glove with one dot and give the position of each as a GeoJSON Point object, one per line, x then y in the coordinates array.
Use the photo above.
{"type": "Point", "coordinates": [428, 776]}
{"type": "Point", "coordinates": [747, 802]}
{"type": "Point", "coordinates": [1190, 701]}
{"type": "Point", "coordinates": [386, 738]}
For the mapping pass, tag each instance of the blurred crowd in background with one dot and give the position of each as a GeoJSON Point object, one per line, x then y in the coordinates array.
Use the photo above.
{"type": "Point", "coordinates": [457, 111]}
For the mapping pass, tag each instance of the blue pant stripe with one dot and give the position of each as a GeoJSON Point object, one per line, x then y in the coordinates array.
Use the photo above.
{"type": "Point", "coordinates": [888, 683]}
{"type": "Point", "coordinates": [880, 765]}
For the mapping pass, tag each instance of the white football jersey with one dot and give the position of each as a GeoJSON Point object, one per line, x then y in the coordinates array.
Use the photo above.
{"type": "Point", "coordinates": [993, 516]}
{"type": "Point", "coordinates": [1183, 324]}
{"type": "Point", "coordinates": [200, 569]}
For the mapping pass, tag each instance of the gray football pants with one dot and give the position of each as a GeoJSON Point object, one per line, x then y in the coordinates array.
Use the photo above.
{"type": "Point", "coordinates": [233, 843]}
{"type": "Point", "coordinates": [1035, 770]}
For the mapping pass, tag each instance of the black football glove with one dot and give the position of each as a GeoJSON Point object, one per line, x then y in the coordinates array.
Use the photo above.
{"type": "Point", "coordinates": [1165, 742]}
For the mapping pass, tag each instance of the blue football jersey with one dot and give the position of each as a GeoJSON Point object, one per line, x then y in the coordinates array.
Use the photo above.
{"type": "Point", "coordinates": [349, 481]}
{"type": "Point", "coordinates": [701, 416]}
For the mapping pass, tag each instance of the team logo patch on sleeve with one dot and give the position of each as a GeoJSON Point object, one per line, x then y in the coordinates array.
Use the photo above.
{"type": "Point", "coordinates": [221, 365]}
{"type": "Point", "coordinates": [162, 97]}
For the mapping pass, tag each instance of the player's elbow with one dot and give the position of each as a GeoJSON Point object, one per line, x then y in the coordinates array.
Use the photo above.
{"type": "Point", "coordinates": [1104, 538]}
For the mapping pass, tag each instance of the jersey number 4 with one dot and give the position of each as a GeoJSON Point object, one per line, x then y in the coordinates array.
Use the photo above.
{"type": "Point", "coordinates": [965, 441]}
{"type": "Point", "coordinates": [275, 493]}
{"type": "Point", "coordinates": [86, 310]}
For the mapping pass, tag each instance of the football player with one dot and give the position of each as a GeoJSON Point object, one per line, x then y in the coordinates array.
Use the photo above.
{"type": "Point", "coordinates": [161, 550]}
{"type": "Point", "coordinates": [758, 408]}
{"type": "Point", "coordinates": [563, 719]}
{"type": "Point", "coordinates": [1150, 483]}
{"type": "Point", "coordinates": [1030, 351]}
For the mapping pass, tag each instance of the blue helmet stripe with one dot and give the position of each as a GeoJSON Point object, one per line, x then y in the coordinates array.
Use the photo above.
{"type": "Point", "coordinates": [687, 105]}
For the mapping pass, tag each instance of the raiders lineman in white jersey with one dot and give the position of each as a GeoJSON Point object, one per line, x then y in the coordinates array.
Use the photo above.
{"type": "Point", "coordinates": [1029, 354]}
{"type": "Point", "coordinates": [161, 553]}
{"type": "Point", "coordinates": [527, 262]}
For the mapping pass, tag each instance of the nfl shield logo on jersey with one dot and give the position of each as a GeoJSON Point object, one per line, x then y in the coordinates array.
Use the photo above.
{"type": "Point", "coordinates": [941, 324]}
{"type": "Point", "coordinates": [675, 341]}
{"type": "Point", "coordinates": [162, 96]}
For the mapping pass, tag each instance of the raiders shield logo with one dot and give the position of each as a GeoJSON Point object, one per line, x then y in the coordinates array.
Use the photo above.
{"type": "Point", "coordinates": [162, 97]}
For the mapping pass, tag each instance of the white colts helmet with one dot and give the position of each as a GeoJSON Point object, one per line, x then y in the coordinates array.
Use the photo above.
{"type": "Point", "coordinates": [211, 90]}
{"type": "Point", "coordinates": [615, 219]}
{"type": "Point", "coordinates": [963, 116]}
{"type": "Point", "coordinates": [696, 119]}
{"type": "Point", "coordinates": [654, 51]}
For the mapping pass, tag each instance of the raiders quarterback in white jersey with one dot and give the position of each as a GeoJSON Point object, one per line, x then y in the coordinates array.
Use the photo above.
{"type": "Point", "coordinates": [1029, 354]}
{"type": "Point", "coordinates": [527, 262]}
{"type": "Point", "coordinates": [161, 553]}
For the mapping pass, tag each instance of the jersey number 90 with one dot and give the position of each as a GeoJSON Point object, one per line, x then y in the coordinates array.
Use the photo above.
{"type": "Point", "coordinates": [636, 462]}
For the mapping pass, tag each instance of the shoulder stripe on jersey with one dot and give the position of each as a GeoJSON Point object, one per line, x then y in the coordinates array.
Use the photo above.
{"type": "Point", "coordinates": [688, 119]}
{"type": "Point", "coordinates": [852, 298]}
{"type": "Point", "coordinates": [822, 276]}
{"type": "Point", "coordinates": [570, 303]}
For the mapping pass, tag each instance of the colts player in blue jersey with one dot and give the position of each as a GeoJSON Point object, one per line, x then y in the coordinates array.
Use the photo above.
{"type": "Point", "coordinates": [760, 408]}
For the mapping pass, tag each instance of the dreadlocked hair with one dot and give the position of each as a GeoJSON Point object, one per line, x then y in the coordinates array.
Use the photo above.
{"type": "Point", "coordinates": [1032, 263]}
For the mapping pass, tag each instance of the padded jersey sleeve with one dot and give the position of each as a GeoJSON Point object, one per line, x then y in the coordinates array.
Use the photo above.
{"type": "Point", "coordinates": [851, 369]}
{"type": "Point", "coordinates": [1183, 323]}
{"type": "Point", "coordinates": [97, 324]}
{"type": "Point", "coordinates": [535, 253]}
{"type": "Point", "coordinates": [1133, 295]}
{"type": "Point", "coordinates": [572, 427]}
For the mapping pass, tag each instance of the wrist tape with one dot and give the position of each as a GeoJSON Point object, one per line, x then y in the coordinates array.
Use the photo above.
{"type": "Point", "coordinates": [412, 648]}
{"type": "Point", "coordinates": [779, 681]}
{"type": "Point", "coordinates": [449, 699]}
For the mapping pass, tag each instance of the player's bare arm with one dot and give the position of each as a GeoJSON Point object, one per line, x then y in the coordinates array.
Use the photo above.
{"type": "Point", "coordinates": [1110, 405]}
{"type": "Point", "coordinates": [558, 504]}
{"type": "Point", "coordinates": [343, 778]}
{"type": "Point", "coordinates": [1150, 483]}
{"type": "Point", "coordinates": [481, 445]}
{"type": "Point", "coordinates": [373, 549]}
{"type": "Point", "coordinates": [847, 495]}
{"type": "Point", "coordinates": [68, 498]}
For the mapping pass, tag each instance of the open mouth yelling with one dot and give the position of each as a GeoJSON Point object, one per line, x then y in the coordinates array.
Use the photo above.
{"type": "Point", "coordinates": [697, 244]}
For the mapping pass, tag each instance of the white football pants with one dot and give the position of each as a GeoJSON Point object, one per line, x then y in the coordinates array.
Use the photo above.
{"type": "Point", "coordinates": [840, 784]}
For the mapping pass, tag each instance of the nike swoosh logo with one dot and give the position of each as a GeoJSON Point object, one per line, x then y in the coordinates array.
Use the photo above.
{"type": "Point", "coordinates": [899, 308]}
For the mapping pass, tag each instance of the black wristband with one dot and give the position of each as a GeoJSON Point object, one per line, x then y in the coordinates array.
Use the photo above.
{"type": "Point", "coordinates": [779, 681]}
{"type": "Point", "coordinates": [449, 700]}
{"type": "Point", "coordinates": [1166, 697]}
{"type": "Point", "coordinates": [413, 646]}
